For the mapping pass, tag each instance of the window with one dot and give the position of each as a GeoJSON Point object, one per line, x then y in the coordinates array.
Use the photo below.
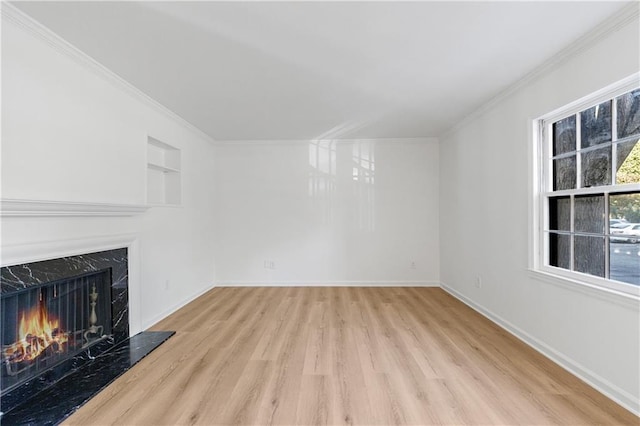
{"type": "Point", "coordinates": [588, 226]}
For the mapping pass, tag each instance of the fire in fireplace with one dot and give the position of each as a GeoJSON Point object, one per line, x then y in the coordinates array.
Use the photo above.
{"type": "Point", "coordinates": [44, 325]}
{"type": "Point", "coordinates": [38, 332]}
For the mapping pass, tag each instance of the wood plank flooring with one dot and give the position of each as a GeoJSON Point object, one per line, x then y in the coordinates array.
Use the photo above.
{"type": "Point", "coordinates": [352, 356]}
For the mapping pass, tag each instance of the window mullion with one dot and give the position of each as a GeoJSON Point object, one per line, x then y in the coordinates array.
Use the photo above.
{"type": "Point", "coordinates": [572, 198]}
{"type": "Point", "coordinates": [578, 152]}
{"type": "Point", "coordinates": [614, 138]}
{"type": "Point", "coordinates": [572, 233]}
{"type": "Point", "coordinates": [614, 168]}
{"type": "Point", "coordinates": [607, 246]}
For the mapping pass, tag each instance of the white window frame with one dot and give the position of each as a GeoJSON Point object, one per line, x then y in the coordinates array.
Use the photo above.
{"type": "Point", "coordinates": [541, 190]}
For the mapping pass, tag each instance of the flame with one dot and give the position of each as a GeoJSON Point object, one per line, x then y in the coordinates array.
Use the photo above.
{"type": "Point", "coordinates": [37, 331]}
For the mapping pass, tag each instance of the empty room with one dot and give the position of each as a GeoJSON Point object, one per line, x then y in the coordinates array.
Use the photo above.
{"type": "Point", "coordinates": [320, 213]}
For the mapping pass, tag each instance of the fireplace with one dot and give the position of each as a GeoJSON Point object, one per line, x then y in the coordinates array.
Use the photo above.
{"type": "Point", "coordinates": [47, 324]}
{"type": "Point", "coordinates": [65, 332]}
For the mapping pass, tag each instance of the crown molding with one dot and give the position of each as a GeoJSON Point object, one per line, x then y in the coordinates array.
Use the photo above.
{"type": "Point", "coordinates": [35, 28]}
{"type": "Point", "coordinates": [45, 208]}
{"type": "Point", "coordinates": [618, 20]}
{"type": "Point", "coordinates": [299, 142]}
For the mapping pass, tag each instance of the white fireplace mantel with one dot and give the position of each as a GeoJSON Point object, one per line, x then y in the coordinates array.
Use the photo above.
{"type": "Point", "coordinates": [16, 254]}
{"type": "Point", "coordinates": [45, 208]}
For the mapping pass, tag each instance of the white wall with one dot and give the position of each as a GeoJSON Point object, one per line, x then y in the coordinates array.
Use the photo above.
{"type": "Point", "coordinates": [484, 215]}
{"type": "Point", "coordinates": [298, 204]}
{"type": "Point", "coordinates": [70, 134]}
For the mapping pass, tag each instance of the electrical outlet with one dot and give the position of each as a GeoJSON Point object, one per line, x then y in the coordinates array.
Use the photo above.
{"type": "Point", "coordinates": [478, 282]}
{"type": "Point", "coordinates": [272, 265]}
{"type": "Point", "coordinates": [413, 265]}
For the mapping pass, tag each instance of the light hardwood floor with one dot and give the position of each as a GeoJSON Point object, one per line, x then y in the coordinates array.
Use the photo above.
{"type": "Point", "coordinates": [361, 356]}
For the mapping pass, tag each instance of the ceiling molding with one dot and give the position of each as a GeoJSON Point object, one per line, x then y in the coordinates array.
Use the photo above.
{"type": "Point", "coordinates": [35, 28]}
{"type": "Point", "coordinates": [45, 208]}
{"type": "Point", "coordinates": [271, 142]}
{"type": "Point", "coordinates": [619, 20]}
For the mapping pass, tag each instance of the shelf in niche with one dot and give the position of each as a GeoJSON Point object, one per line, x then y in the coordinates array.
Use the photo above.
{"type": "Point", "coordinates": [164, 183]}
{"type": "Point", "coordinates": [161, 168]}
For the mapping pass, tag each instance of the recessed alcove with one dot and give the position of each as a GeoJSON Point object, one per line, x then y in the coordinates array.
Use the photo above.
{"type": "Point", "coordinates": [163, 173]}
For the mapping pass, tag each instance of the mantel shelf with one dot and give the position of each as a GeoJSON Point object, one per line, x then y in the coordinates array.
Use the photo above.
{"type": "Point", "coordinates": [44, 208]}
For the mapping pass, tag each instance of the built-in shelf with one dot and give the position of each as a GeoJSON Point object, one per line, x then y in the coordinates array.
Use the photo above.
{"type": "Point", "coordinates": [161, 168]}
{"type": "Point", "coordinates": [164, 184]}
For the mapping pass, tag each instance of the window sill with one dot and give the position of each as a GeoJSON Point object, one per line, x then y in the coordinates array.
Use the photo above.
{"type": "Point", "coordinates": [611, 295]}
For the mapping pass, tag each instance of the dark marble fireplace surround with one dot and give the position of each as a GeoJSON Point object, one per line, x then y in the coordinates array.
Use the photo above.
{"type": "Point", "coordinates": [52, 396]}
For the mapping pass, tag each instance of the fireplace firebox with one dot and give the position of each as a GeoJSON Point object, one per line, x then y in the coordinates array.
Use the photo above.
{"type": "Point", "coordinates": [44, 325]}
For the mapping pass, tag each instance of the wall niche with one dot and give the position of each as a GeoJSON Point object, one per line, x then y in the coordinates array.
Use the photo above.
{"type": "Point", "coordinates": [164, 185]}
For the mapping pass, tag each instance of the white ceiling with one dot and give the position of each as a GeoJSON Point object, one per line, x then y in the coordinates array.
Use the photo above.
{"type": "Point", "coordinates": [299, 70]}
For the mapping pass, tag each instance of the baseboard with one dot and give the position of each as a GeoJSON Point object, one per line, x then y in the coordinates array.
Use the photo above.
{"type": "Point", "coordinates": [327, 284]}
{"type": "Point", "coordinates": [156, 319]}
{"type": "Point", "coordinates": [602, 385]}
{"type": "Point", "coordinates": [174, 308]}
